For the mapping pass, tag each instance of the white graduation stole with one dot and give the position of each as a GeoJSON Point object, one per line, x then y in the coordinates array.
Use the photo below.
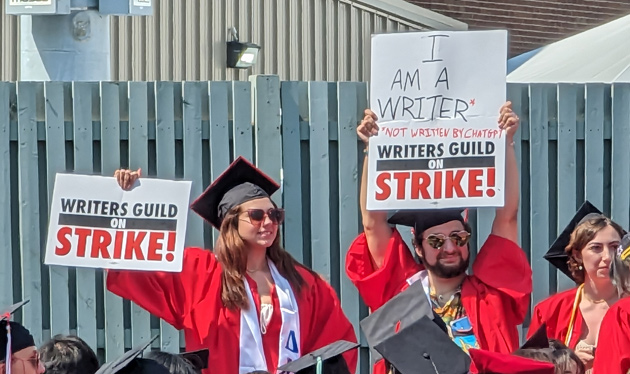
{"type": "Point", "coordinates": [252, 355]}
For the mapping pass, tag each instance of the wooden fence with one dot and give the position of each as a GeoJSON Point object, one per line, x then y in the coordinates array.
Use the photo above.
{"type": "Point", "coordinates": [300, 133]}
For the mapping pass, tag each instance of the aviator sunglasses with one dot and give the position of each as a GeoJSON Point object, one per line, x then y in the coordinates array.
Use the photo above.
{"type": "Point", "coordinates": [257, 216]}
{"type": "Point", "coordinates": [460, 238]}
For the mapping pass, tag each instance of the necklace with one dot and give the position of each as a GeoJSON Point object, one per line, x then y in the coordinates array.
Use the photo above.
{"type": "Point", "coordinates": [587, 297]}
{"type": "Point", "coordinates": [251, 271]}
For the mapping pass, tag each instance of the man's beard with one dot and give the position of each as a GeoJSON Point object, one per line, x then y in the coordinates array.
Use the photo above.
{"type": "Point", "coordinates": [447, 271]}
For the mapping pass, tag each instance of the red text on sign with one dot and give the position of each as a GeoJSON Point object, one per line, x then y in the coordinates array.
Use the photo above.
{"type": "Point", "coordinates": [119, 245]}
{"type": "Point", "coordinates": [432, 185]}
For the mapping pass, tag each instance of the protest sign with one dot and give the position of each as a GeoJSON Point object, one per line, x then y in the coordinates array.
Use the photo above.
{"type": "Point", "coordinates": [94, 223]}
{"type": "Point", "coordinates": [437, 96]}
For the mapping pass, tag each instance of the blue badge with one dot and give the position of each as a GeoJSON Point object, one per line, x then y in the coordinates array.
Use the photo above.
{"type": "Point", "coordinates": [461, 326]}
{"type": "Point", "coordinates": [466, 342]}
{"type": "Point", "coordinates": [292, 343]}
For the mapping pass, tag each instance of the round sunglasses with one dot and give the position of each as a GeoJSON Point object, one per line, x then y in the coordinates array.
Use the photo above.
{"type": "Point", "coordinates": [257, 216]}
{"type": "Point", "coordinates": [460, 238]}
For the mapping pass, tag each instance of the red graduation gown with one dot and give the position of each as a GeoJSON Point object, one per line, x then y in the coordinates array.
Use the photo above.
{"type": "Point", "coordinates": [495, 298]}
{"type": "Point", "coordinates": [556, 312]}
{"type": "Point", "coordinates": [612, 355]}
{"type": "Point", "coordinates": [191, 300]}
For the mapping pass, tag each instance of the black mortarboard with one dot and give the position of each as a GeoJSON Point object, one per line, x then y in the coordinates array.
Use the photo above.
{"type": "Point", "coordinates": [423, 347]}
{"type": "Point", "coordinates": [198, 359]}
{"type": "Point", "coordinates": [6, 313]}
{"type": "Point", "coordinates": [402, 310]}
{"type": "Point", "coordinates": [131, 363]}
{"type": "Point", "coordinates": [239, 183]}
{"type": "Point", "coordinates": [421, 220]}
{"type": "Point", "coordinates": [539, 340]}
{"type": "Point", "coordinates": [556, 254]}
{"type": "Point", "coordinates": [20, 337]}
{"type": "Point", "coordinates": [330, 357]}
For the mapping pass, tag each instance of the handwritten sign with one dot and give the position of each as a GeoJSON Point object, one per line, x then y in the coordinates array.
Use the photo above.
{"type": "Point", "coordinates": [437, 96]}
{"type": "Point", "coordinates": [94, 223]}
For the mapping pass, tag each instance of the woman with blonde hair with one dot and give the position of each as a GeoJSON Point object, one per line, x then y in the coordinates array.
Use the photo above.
{"type": "Point", "coordinates": [583, 252]}
{"type": "Point", "coordinates": [249, 302]}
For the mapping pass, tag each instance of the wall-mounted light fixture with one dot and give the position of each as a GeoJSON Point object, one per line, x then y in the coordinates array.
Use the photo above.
{"type": "Point", "coordinates": [241, 55]}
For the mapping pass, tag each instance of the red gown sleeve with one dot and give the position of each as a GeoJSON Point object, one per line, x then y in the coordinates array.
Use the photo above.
{"type": "Point", "coordinates": [502, 265]}
{"type": "Point", "coordinates": [328, 323]}
{"type": "Point", "coordinates": [612, 355]}
{"type": "Point", "coordinates": [170, 296]}
{"type": "Point", "coordinates": [536, 321]}
{"type": "Point", "coordinates": [377, 286]}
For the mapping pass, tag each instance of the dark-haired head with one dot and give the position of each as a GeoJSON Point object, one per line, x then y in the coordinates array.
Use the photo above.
{"type": "Point", "coordinates": [68, 354]}
{"type": "Point", "coordinates": [175, 364]}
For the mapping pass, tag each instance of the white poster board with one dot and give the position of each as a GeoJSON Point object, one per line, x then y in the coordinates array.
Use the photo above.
{"type": "Point", "coordinates": [94, 223]}
{"type": "Point", "coordinates": [437, 96]}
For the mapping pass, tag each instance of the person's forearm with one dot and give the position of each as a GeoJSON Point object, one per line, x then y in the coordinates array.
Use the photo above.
{"type": "Point", "coordinates": [363, 192]}
{"type": "Point", "coordinates": [512, 184]}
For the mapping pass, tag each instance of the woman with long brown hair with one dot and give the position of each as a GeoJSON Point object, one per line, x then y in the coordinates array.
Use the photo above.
{"type": "Point", "coordinates": [249, 302]}
{"type": "Point", "coordinates": [583, 252]}
{"type": "Point", "coordinates": [613, 352]}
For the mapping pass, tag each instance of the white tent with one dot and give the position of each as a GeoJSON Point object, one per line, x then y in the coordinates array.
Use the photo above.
{"type": "Point", "coordinates": [599, 55]}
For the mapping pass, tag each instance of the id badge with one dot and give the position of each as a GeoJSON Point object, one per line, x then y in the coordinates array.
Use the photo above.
{"type": "Point", "coordinates": [466, 342]}
{"type": "Point", "coordinates": [461, 326]}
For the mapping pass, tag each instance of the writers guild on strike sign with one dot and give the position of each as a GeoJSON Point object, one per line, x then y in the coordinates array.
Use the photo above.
{"type": "Point", "coordinates": [146, 232]}
{"type": "Point", "coordinates": [94, 223]}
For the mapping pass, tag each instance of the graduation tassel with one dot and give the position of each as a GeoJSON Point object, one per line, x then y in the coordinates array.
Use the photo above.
{"type": "Point", "coordinates": [7, 361]}
{"type": "Point", "coordinates": [318, 367]}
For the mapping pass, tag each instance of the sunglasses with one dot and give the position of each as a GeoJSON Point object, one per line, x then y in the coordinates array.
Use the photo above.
{"type": "Point", "coordinates": [32, 360]}
{"type": "Point", "coordinates": [257, 216]}
{"type": "Point", "coordinates": [460, 238]}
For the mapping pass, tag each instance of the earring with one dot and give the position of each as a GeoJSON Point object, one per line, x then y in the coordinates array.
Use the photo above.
{"type": "Point", "coordinates": [580, 267]}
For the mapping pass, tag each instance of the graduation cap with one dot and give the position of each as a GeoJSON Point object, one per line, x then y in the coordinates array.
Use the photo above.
{"type": "Point", "coordinates": [239, 183]}
{"type": "Point", "coordinates": [198, 359]}
{"type": "Point", "coordinates": [556, 255]}
{"type": "Point", "coordinates": [324, 360]}
{"type": "Point", "coordinates": [423, 347]}
{"type": "Point", "coordinates": [401, 311]}
{"type": "Point", "coordinates": [421, 220]}
{"type": "Point", "coordinates": [13, 336]}
{"type": "Point", "coordinates": [131, 363]}
{"type": "Point", "coordinates": [7, 312]}
{"type": "Point", "coordinates": [485, 362]}
{"type": "Point", "coordinates": [539, 340]}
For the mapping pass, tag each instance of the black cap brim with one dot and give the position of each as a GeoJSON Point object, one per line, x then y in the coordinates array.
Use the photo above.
{"type": "Point", "coordinates": [241, 171]}
{"type": "Point", "coordinates": [423, 347]}
{"type": "Point", "coordinates": [422, 220]}
{"type": "Point", "coordinates": [556, 254]}
{"type": "Point", "coordinates": [121, 362]}
{"type": "Point", "coordinates": [21, 337]}
{"type": "Point", "coordinates": [198, 359]}
{"type": "Point", "coordinates": [10, 310]}
{"type": "Point", "coordinates": [539, 340]}
{"type": "Point", "coordinates": [330, 355]}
